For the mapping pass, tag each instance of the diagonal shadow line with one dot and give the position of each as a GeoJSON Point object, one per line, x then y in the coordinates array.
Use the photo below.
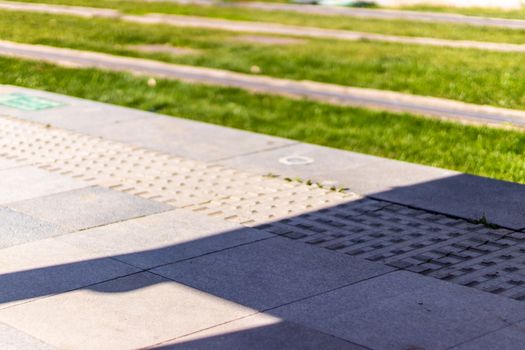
{"type": "Point", "coordinates": [84, 274]}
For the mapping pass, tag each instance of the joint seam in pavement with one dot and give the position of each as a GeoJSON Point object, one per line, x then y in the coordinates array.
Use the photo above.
{"type": "Point", "coordinates": [255, 152]}
{"type": "Point", "coordinates": [291, 302]}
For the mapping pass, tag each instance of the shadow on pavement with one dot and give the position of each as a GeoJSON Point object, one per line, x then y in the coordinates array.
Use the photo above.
{"type": "Point", "coordinates": [272, 271]}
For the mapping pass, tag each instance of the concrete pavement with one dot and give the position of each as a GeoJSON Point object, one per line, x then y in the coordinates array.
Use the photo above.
{"type": "Point", "coordinates": [127, 242]}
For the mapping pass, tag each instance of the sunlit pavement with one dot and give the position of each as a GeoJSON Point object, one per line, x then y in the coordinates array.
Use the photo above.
{"type": "Point", "coordinates": [121, 229]}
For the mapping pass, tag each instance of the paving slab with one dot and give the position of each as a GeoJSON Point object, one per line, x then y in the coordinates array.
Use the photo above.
{"type": "Point", "coordinates": [440, 190]}
{"type": "Point", "coordinates": [127, 313]}
{"type": "Point", "coordinates": [169, 134]}
{"type": "Point", "coordinates": [70, 113]}
{"type": "Point", "coordinates": [45, 267]}
{"type": "Point", "coordinates": [401, 310]}
{"type": "Point", "coordinates": [219, 272]}
{"type": "Point", "coordinates": [508, 338]}
{"type": "Point", "coordinates": [7, 163]}
{"type": "Point", "coordinates": [259, 332]}
{"type": "Point", "coordinates": [190, 139]}
{"type": "Point", "coordinates": [361, 173]}
{"type": "Point", "coordinates": [163, 238]}
{"type": "Point", "coordinates": [429, 188]}
{"type": "Point", "coordinates": [242, 196]}
{"type": "Point", "coordinates": [13, 339]}
{"type": "Point", "coordinates": [466, 196]}
{"type": "Point", "coordinates": [88, 207]}
{"type": "Point", "coordinates": [270, 273]}
{"type": "Point", "coordinates": [17, 228]}
{"type": "Point", "coordinates": [27, 182]}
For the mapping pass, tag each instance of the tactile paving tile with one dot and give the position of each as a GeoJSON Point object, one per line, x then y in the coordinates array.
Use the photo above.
{"type": "Point", "coordinates": [256, 208]}
{"type": "Point", "coordinates": [39, 144]}
{"type": "Point", "coordinates": [214, 190]}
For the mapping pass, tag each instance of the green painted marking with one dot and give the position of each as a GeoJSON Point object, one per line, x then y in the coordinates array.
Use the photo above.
{"type": "Point", "coordinates": [27, 102]}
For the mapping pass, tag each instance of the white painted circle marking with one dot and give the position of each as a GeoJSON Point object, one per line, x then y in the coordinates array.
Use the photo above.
{"type": "Point", "coordinates": [296, 160]}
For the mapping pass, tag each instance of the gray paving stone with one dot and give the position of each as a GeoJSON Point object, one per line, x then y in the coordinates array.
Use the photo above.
{"type": "Point", "coordinates": [88, 207]}
{"type": "Point", "coordinates": [17, 228]}
{"type": "Point", "coordinates": [424, 187]}
{"type": "Point", "coordinates": [311, 162]}
{"type": "Point", "coordinates": [404, 311]}
{"type": "Point", "coordinates": [509, 338]}
{"type": "Point", "coordinates": [13, 339]}
{"type": "Point", "coordinates": [163, 238]}
{"type": "Point", "coordinates": [131, 312]}
{"type": "Point", "coordinates": [186, 138]}
{"type": "Point", "coordinates": [74, 113]}
{"type": "Point", "coordinates": [45, 267]}
{"type": "Point", "coordinates": [22, 183]}
{"type": "Point", "coordinates": [270, 273]}
{"type": "Point", "coordinates": [361, 173]}
{"type": "Point", "coordinates": [6, 164]}
{"type": "Point", "coordinates": [259, 332]}
{"type": "Point", "coordinates": [466, 196]}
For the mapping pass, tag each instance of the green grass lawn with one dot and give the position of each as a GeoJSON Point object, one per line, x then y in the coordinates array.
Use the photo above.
{"type": "Point", "coordinates": [393, 27]}
{"type": "Point", "coordinates": [467, 75]}
{"type": "Point", "coordinates": [479, 150]}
